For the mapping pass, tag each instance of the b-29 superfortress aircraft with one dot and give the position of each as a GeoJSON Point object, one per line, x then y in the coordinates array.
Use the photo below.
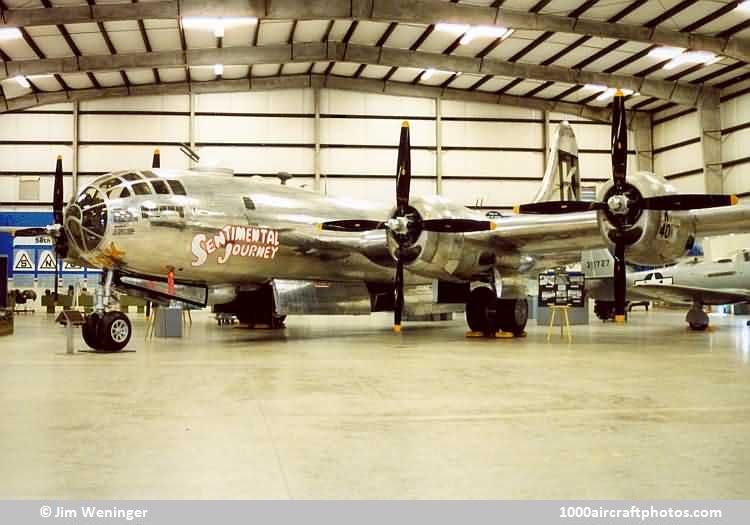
{"type": "Point", "coordinates": [264, 250]}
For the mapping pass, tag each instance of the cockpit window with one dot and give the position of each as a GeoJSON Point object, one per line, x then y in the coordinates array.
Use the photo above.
{"type": "Point", "coordinates": [142, 188]}
{"type": "Point", "coordinates": [86, 219]}
{"type": "Point", "coordinates": [90, 197]}
{"type": "Point", "coordinates": [132, 177]}
{"type": "Point", "coordinates": [177, 187]}
{"type": "Point", "coordinates": [109, 184]}
{"type": "Point", "coordinates": [101, 179]}
{"type": "Point", "coordinates": [160, 187]}
{"type": "Point", "coordinates": [95, 219]}
{"type": "Point", "coordinates": [119, 192]}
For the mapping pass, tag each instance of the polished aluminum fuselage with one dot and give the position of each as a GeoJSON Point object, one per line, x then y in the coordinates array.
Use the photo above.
{"type": "Point", "coordinates": [156, 240]}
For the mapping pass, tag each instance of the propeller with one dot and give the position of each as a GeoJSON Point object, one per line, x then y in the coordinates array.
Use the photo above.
{"type": "Point", "coordinates": [623, 204]}
{"type": "Point", "coordinates": [405, 225]}
{"type": "Point", "coordinates": [156, 161]}
{"type": "Point", "coordinates": [56, 230]}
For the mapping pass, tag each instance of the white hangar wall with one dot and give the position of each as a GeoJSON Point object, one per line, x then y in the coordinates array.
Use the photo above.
{"type": "Point", "coordinates": [677, 147]}
{"type": "Point", "coordinates": [492, 156]}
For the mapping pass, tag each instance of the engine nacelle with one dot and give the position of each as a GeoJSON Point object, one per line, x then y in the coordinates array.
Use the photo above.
{"type": "Point", "coordinates": [444, 256]}
{"type": "Point", "coordinates": [665, 236]}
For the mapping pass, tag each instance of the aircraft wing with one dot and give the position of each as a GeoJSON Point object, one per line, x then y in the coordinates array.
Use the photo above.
{"type": "Point", "coordinates": [552, 240]}
{"type": "Point", "coordinates": [673, 293]}
{"type": "Point", "coordinates": [371, 244]}
{"type": "Point", "coordinates": [721, 221]}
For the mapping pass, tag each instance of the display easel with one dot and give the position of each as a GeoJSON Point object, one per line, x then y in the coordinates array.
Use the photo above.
{"type": "Point", "coordinates": [564, 322]}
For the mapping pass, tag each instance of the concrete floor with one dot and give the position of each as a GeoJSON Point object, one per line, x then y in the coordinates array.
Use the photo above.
{"type": "Point", "coordinates": [342, 408]}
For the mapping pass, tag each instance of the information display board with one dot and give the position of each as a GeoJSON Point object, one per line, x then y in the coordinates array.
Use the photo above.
{"type": "Point", "coordinates": [562, 289]}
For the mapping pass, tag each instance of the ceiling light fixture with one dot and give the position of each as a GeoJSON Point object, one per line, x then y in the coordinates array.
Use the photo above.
{"type": "Point", "coordinates": [693, 57]}
{"type": "Point", "coordinates": [456, 29]}
{"type": "Point", "coordinates": [606, 94]}
{"type": "Point", "coordinates": [428, 73]}
{"type": "Point", "coordinates": [666, 53]}
{"type": "Point", "coordinates": [471, 32]}
{"type": "Point", "coordinates": [217, 25]}
{"type": "Point", "coordinates": [218, 69]}
{"type": "Point", "coordinates": [22, 81]}
{"type": "Point", "coordinates": [679, 56]}
{"type": "Point", "coordinates": [10, 33]}
{"type": "Point", "coordinates": [609, 93]}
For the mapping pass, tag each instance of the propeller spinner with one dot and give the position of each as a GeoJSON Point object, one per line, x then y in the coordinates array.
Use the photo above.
{"type": "Point", "coordinates": [623, 204]}
{"type": "Point", "coordinates": [405, 225]}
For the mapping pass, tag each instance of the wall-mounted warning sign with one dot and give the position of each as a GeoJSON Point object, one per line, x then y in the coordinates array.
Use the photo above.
{"type": "Point", "coordinates": [22, 262]}
{"type": "Point", "coordinates": [46, 261]}
{"type": "Point", "coordinates": [69, 267]}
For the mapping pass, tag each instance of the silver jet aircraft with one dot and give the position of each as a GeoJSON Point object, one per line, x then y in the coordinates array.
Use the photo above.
{"type": "Point", "coordinates": [263, 251]}
{"type": "Point", "coordinates": [693, 282]}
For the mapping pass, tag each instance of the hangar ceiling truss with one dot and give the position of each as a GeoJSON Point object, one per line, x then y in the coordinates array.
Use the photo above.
{"type": "Point", "coordinates": [560, 54]}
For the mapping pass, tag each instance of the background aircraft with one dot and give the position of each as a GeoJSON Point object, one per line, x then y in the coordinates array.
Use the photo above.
{"type": "Point", "coordinates": [266, 250]}
{"type": "Point", "coordinates": [693, 282]}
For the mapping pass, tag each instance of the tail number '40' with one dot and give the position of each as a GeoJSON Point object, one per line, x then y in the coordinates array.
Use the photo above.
{"type": "Point", "coordinates": [668, 229]}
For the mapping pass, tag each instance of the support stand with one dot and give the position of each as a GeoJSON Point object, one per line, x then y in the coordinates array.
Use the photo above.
{"type": "Point", "coordinates": [564, 322]}
{"type": "Point", "coordinates": [70, 319]}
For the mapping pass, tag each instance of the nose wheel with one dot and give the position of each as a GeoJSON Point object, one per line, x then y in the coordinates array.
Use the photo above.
{"type": "Point", "coordinates": [109, 332]}
{"type": "Point", "coordinates": [697, 318]}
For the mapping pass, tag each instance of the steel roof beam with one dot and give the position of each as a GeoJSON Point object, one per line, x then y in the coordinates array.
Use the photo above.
{"type": "Point", "coordinates": [303, 82]}
{"type": "Point", "coordinates": [403, 11]}
{"type": "Point", "coordinates": [677, 92]}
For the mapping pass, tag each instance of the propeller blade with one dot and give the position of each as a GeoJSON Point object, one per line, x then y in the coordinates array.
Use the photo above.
{"type": "Point", "coordinates": [31, 232]}
{"type": "Point", "coordinates": [620, 282]}
{"type": "Point", "coordinates": [457, 225]}
{"type": "Point", "coordinates": [687, 202]}
{"type": "Point", "coordinates": [558, 207]}
{"type": "Point", "coordinates": [156, 161]}
{"type": "Point", "coordinates": [619, 139]}
{"type": "Point", "coordinates": [398, 307]}
{"type": "Point", "coordinates": [57, 276]}
{"type": "Point", "coordinates": [350, 226]}
{"type": "Point", "coordinates": [403, 169]}
{"type": "Point", "coordinates": [57, 193]}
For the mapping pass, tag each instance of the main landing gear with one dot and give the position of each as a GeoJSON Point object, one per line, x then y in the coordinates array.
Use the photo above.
{"type": "Point", "coordinates": [108, 331]}
{"type": "Point", "coordinates": [697, 318]}
{"type": "Point", "coordinates": [605, 310]}
{"type": "Point", "coordinates": [486, 314]}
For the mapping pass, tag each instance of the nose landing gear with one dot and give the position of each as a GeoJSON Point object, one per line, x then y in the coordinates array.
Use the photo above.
{"type": "Point", "coordinates": [697, 318]}
{"type": "Point", "coordinates": [108, 331]}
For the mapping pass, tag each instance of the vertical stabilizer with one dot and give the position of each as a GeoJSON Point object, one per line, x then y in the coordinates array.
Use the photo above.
{"type": "Point", "coordinates": [562, 179]}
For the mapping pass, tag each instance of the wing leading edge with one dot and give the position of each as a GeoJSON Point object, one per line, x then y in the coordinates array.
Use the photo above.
{"type": "Point", "coordinates": [673, 293]}
{"type": "Point", "coordinates": [551, 240]}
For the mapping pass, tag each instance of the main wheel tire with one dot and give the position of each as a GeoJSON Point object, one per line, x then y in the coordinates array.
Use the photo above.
{"type": "Point", "coordinates": [697, 319]}
{"type": "Point", "coordinates": [115, 331]}
{"type": "Point", "coordinates": [604, 310]}
{"type": "Point", "coordinates": [481, 310]}
{"type": "Point", "coordinates": [513, 315]}
{"type": "Point", "coordinates": [90, 331]}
